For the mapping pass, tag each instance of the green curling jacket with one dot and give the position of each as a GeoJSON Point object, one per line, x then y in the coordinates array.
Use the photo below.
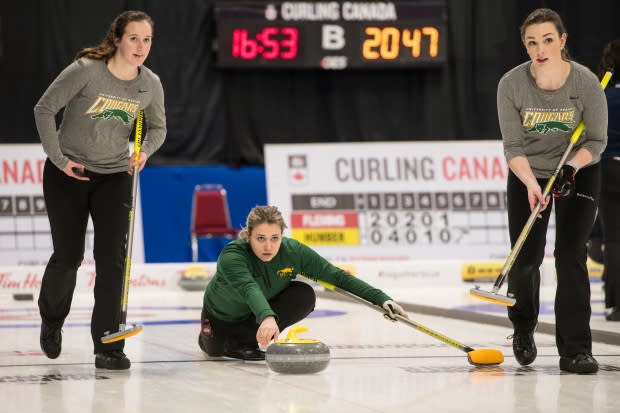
{"type": "Point", "coordinates": [243, 284]}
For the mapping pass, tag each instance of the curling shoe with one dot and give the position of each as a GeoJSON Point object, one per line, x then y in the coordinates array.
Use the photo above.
{"type": "Point", "coordinates": [201, 344]}
{"type": "Point", "coordinates": [524, 347]}
{"type": "Point", "coordinates": [614, 314]}
{"type": "Point", "coordinates": [50, 341]}
{"type": "Point", "coordinates": [582, 363]}
{"type": "Point", "coordinates": [206, 342]}
{"type": "Point", "coordinates": [245, 353]}
{"type": "Point", "coordinates": [112, 360]}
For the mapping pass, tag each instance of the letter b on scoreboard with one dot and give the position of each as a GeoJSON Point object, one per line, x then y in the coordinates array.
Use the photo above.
{"type": "Point", "coordinates": [332, 37]}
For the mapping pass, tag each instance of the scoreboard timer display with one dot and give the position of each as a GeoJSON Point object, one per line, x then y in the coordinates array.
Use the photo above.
{"type": "Point", "coordinates": [330, 35]}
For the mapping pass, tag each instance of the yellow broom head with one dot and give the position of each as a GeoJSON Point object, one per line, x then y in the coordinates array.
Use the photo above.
{"type": "Point", "coordinates": [123, 334]}
{"type": "Point", "coordinates": [492, 297]}
{"type": "Point", "coordinates": [485, 357]}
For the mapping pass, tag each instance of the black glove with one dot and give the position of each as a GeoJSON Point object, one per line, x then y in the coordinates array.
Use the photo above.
{"type": "Point", "coordinates": [564, 184]}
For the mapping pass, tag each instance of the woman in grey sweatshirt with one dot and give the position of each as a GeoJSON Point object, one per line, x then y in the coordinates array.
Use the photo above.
{"type": "Point", "coordinates": [540, 103]}
{"type": "Point", "coordinates": [86, 174]}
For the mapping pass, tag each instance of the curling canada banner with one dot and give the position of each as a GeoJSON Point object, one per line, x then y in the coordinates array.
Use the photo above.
{"type": "Point", "coordinates": [393, 201]}
{"type": "Point", "coordinates": [24, 227]}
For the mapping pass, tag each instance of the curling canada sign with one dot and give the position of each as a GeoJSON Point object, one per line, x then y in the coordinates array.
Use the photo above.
{"type": "Point", "coordinates": [393, 200]}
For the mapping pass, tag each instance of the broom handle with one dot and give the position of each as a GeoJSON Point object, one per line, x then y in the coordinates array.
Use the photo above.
{"type": "Point", "coordinates": [134, 190]}
{"type": "Point", "coordinates": [411, 323]}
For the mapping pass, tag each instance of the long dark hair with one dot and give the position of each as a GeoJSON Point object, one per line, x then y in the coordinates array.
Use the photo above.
{"type": "Point", "coordinates": [610, 60]}
{"type": "Point", "coordinates": [106, 49]}
{"type": "Point", "coordinates": [545, 16]}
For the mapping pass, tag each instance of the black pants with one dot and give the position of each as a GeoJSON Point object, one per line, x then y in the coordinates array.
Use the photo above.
{"type": "Point", "coordinates": [69, 202]}
{"type": "Point", "coordinates": [291, 305]}
{"type": "Point", "coordinates": [574, 218]}
{"type": "Point", "coordinates": [610, 226]}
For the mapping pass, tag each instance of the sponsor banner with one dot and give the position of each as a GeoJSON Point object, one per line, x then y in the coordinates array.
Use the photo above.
{"type": "Point", "coordinates": [144, 277]}
{"type": "Point", "coordinates": [382, 274]}
{"type": "Point", "coordinates": [24, 227]}
{"type": "Point", "coordinates": [407, 200]}
{"type": "Point", "coordinates": [154, 278]}
{"type": "Point", "coordinates": [489, 271]}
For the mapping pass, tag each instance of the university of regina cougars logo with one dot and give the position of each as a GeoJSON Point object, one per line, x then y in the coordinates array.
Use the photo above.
{"type": "Point", "coordinates": [111, 107]}
{"type": "Point", "coordinates": [545, 127]}
{"type": "Point", "coordinates": [544, 122]}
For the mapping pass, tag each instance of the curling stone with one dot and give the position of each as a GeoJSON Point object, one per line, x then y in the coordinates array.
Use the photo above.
{"type": "Point", "coordinates": [23, 297]}
{"type": "Point", "coordinates": [294, 355]}
{"type": "Point", "coordinates": [195, 278]}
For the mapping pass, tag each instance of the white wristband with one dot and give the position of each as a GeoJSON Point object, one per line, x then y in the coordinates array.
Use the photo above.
{"type": "Point", "coordinates": [574, 164]}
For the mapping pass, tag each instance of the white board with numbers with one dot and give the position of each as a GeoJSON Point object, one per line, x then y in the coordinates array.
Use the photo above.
{"type": "Point", "coordinates": [393, 200]}
{"type": "Point", "coordinates": [25, 237]}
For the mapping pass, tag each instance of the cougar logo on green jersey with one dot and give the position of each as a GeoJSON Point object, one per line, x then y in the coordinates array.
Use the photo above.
{"type": "Point", "coordinates": [285, 272]}
{"type": "Point", "coordinates": [545, 127]}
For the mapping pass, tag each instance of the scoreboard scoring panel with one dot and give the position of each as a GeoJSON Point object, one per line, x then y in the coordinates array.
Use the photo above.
{"type": "Point", "coordinates": [399, 218]}
{"type": "Point", "coordinates": [330, 35]}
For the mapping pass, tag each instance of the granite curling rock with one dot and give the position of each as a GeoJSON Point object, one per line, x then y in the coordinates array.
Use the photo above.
{"type": "Point", "coordinates": [195, 278]}
{"type": "Point", "coordinates": [294, 355]}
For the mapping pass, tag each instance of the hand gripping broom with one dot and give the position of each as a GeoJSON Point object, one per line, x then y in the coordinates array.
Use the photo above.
{"type": "Point", "coordinates": [494, 296]}
{"type": "Point", "coordinates": [125, 330]}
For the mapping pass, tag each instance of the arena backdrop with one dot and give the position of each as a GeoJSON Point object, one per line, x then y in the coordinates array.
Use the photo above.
{"type": "Point", "coordinates": [225, 116]}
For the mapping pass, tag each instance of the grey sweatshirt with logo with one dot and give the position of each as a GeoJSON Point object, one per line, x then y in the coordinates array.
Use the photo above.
{"type": "Point", "coordinates": [538, 124]}
{"type": "Point", "coordinates": [99, 115]}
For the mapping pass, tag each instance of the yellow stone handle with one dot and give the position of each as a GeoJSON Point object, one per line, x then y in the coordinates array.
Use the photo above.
{"type": "Point", "coordinates": [291, 337]}
{"type": "Point", "coordinates": [292, 332]}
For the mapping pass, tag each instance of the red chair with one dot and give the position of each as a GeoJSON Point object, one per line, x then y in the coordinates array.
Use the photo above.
{"type": "Point", "coordinates": [210, 215]}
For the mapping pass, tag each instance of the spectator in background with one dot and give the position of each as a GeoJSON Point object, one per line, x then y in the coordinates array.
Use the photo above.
{"type": "Point", "coordinates": [540, 103]}
{"type": "Point", "coordinates": [85, 174]}
{"type": "Point", "coordinates": [610, 186]}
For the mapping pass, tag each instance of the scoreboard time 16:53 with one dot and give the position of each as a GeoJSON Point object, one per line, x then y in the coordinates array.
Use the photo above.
{"type": "Point", "coordinates": [330, 35]}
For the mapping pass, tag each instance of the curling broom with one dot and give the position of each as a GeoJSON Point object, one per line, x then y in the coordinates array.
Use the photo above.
{"type": "Point", "coordinates": [508, 300]}
{"type": "Point", "coordinates": [125, 330]}
{"type": "Point", "coordinates": [476, 357]}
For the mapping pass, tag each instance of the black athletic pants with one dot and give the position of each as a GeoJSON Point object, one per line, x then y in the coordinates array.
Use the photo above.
{"type": "Point", "coordinates": [609, 212]}
{"type": "Point", "coordinates": [574, 218]}
{"type": "Point", "coordinates": [69, 202]}
{"type": "Point", "coordinates": [292, 305]}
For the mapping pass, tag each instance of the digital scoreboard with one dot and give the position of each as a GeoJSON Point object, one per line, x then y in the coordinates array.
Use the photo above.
{"type": "Point", "coordinates": [331, 35]}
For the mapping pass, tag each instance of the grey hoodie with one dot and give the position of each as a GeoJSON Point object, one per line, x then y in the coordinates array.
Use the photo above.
{"type": "Point", "coordinates": [99, 115]}
{"type": "Point", "coordinates": [538, 124]}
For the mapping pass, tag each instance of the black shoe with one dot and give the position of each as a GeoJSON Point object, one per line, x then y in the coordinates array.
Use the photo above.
{"type": "Point", "coordinates": [203, 347]}
{"type": "Point", "coordinates": [524, 348]}
{"type": "Point", "coordinates": [113, 360]}
{"type": "Point", "coordinates": [614, 315]}
{"type": "Point", "coordinates": [245, 353]}
{"type": "Point", "coordinates": [581, 364]}
{"type": "Point", "coordinates": [201, 344]}
{"type": "Point", "coordinates": [205, 341]}
{"type": "Point", "coordinates": [51, 341]}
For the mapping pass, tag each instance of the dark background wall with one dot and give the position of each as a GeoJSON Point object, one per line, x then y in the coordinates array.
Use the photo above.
{"type": "Point", "coordinates": [225, 116]}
